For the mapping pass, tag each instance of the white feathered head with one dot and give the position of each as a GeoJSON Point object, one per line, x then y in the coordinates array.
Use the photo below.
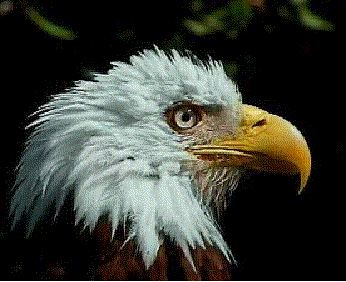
{"type": "Point", "coordinates": [153, 143]}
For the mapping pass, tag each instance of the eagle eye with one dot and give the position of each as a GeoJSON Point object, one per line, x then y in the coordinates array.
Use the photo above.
{"type": "Point", "coordinates": [183, 117]}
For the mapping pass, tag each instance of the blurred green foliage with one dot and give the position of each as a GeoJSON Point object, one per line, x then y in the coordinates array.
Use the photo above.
{"type": "Point", "coordinates": [48, 26]}
{"type": "Point", "coordinates": [44, 24]}
{"type": "Point", "coordinates": [237, 14]}
{"type": "Point", "coordinates": [230, 19]}
{"type": "Point", "coordinates": [194, 21]}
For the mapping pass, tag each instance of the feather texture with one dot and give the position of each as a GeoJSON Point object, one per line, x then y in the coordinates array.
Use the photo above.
{"type": "Point", "coordinates": [109, 142]}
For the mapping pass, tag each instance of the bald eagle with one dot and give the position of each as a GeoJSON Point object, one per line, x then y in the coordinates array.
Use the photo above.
{"type": "Point", "coordinates": [155, 145]}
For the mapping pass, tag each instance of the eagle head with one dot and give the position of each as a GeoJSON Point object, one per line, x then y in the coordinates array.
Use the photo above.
{"type": "Point", "coordinates": [156, 143]}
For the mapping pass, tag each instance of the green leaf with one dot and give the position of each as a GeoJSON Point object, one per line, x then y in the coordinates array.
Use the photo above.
{"type": "Point", "coordinates": [313, 21]}
{"type": "Point", "coordinates": [47, 26]}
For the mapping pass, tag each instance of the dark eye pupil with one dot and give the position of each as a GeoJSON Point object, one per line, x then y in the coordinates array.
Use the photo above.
{"type": "Point", "coordinates": [185, 117]}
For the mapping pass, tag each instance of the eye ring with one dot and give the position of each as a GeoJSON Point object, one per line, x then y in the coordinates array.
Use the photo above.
{"type": "Point", "coordinates": [184, 116]}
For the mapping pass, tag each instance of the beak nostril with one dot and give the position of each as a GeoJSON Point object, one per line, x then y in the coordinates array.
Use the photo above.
{"type": "Point", "coordinates": [260, 123]}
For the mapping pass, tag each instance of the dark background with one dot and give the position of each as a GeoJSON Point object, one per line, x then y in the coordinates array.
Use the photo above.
{"type": "Point", "coordinates": [280, 64]}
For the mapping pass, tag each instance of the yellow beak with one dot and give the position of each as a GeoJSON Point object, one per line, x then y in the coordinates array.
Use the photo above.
{"type": "Point", "coordinates": [265, 142]}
